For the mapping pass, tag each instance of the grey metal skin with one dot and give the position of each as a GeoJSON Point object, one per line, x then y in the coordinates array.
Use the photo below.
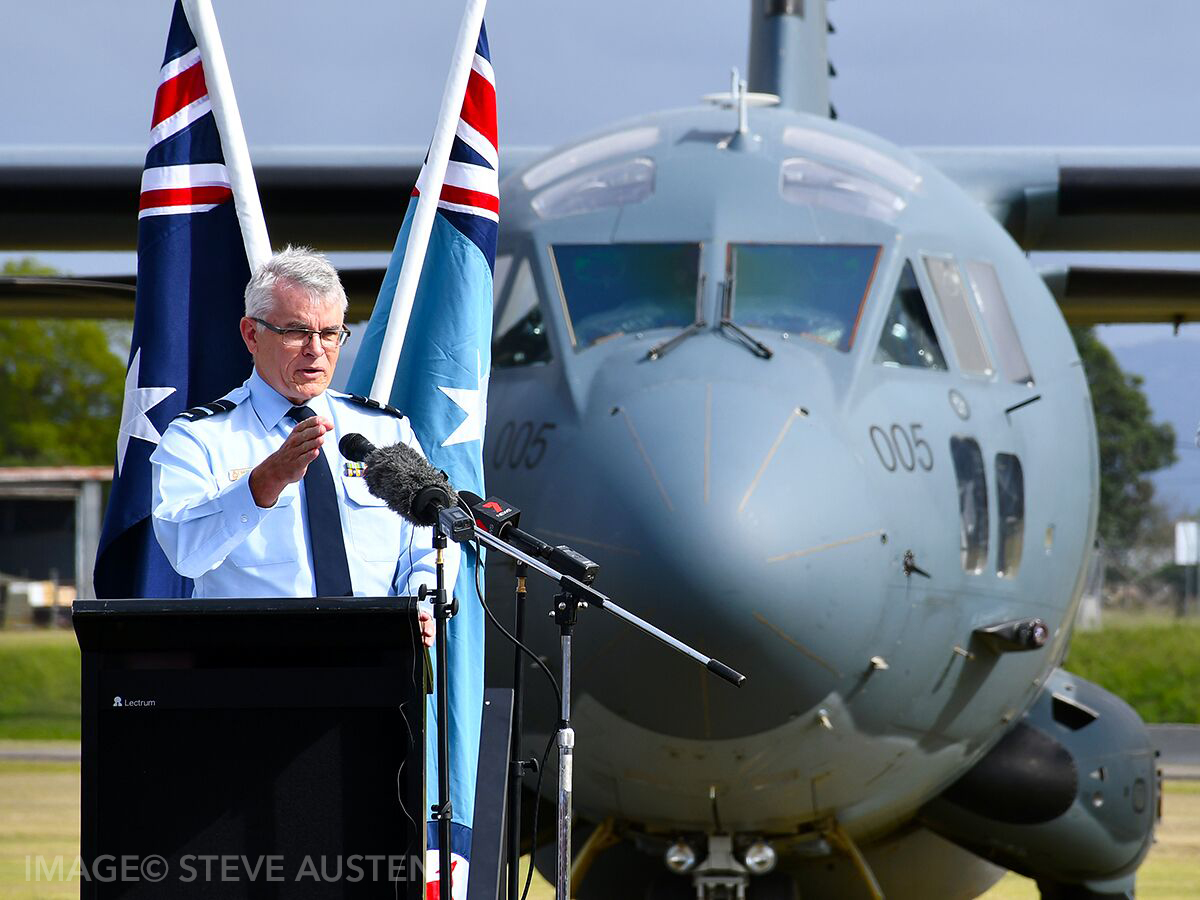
{"type": "Point", "coordinates": [1072, 790]}
{"type": "Point", "coordinates": [739, 503]}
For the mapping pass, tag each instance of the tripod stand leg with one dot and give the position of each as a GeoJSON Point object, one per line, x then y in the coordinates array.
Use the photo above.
{"type": "Point", "coordinates": [565, 610]}
{"type": "Point", "coordinates": [566, 760]}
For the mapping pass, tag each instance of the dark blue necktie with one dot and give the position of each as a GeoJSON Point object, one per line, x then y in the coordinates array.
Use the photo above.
{"type": "Point", "coordinates": [330, 569]}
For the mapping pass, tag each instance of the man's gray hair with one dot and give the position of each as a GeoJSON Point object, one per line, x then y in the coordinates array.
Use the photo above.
{"type": "Point", "coordinates": [301, 267]}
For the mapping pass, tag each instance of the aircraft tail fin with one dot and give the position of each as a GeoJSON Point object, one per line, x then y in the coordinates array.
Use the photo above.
{"type": "Point", "coordinates": [789, 54]}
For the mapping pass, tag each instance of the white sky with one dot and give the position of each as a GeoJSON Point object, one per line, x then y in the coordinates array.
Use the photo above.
{"type": "Point", "coordinates": [370, 71]}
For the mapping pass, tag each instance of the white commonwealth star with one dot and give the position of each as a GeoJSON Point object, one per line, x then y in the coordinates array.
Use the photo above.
{"type": "Point", "coordinates": [138, 402]}
{"type": "Point", "coordinates": [472, 401]}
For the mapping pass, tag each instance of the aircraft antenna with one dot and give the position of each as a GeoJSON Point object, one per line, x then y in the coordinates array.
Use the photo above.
{"type": "Point", "coordinates": [739, 99]}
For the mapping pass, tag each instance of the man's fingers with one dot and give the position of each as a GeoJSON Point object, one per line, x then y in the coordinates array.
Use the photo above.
{"type": "Point", "coordinates": [428, 632]}
{"type": "Point", "coordinates": [309, 428]}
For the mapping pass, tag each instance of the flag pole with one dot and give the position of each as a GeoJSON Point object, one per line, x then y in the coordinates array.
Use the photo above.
{"type": "Point", "coordinates": [203, 21]}
{"type": "Point", "coordinates": [433, 175]}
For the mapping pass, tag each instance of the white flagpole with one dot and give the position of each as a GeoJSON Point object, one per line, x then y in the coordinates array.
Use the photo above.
{"type": "Point", "coordinates": [430, 185]}
{"type": "Point", "coordinates": [203, 21]}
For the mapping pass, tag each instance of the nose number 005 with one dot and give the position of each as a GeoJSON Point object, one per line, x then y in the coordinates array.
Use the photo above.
{"type": "Point", "coordinates": [902, 448]}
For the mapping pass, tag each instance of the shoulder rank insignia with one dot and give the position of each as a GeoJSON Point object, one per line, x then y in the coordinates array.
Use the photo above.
{"type": "Point", "coordinates": [204, 410]}
{"type": "Point", "coordinates": [355, 469]}
{"type": "Point", "coordinates": [375, 404]}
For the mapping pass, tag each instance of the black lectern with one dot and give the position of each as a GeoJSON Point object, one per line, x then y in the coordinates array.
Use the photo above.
{"type": "Point", "coordinates": [259, 748]}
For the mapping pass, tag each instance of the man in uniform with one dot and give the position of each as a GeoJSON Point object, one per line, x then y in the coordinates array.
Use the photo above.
{"type": "Point", "coordinates": [252, 497]}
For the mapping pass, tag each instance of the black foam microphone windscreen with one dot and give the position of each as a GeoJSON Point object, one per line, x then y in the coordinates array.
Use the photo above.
{"type": "Point", "coordinates": [410, 486]}
{"type": "Point", "coordinates": [356, 447]}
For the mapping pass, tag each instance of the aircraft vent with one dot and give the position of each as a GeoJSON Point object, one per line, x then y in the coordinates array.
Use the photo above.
{"type": "Point", "coordinates": [1071, 713]}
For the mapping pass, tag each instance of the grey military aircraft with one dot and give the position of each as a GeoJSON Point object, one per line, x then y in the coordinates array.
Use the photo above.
{"type": "Point", "coordinates": [803, 397]}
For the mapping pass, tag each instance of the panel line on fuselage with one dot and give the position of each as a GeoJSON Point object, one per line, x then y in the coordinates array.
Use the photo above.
{"type": "Point", "coordinates": [646, 457]}
{"type": "Point", "coordinates": [795, 554]}
{"type": "Point", "coordinates": [795, 414]}
{"type": "Point", "coordinates": [815, 657]}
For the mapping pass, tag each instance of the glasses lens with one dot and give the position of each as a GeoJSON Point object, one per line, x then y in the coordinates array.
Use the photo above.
{"type": "Point", "coordinates": [295, 337]}
{"type": "Point", "coordinates": [333, 337]}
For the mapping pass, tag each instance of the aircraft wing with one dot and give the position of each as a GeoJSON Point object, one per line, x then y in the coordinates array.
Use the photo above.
{"type": "Point", "coordinates": [1142, 199]}
{"type": "Point", "coordinates": [111, 296]}
{"type": "Point", "coordinates": [1106, 296]}
{"type": "Point", "coordinates": [333, 198]}
{"type": "Point", "coordinates": [1103, 199]}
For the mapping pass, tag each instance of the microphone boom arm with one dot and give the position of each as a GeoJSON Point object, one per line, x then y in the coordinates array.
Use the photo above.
{"type": "Point", "coordinates": [593, 596]}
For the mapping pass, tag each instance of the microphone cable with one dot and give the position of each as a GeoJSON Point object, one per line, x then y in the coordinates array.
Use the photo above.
{"type": "Point", "coordinates": [553, 731]}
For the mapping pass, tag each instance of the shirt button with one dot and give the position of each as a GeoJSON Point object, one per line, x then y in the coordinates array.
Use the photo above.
{"type": "Point", "coordinates": [245, 518]}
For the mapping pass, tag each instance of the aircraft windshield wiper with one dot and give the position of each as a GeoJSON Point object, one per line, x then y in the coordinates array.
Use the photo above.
{"type": "Point", "coordinates": [755, 346]}
{"type": "Point", "coordinates": [659, 349]}
{"type": "Point", "coordinates": [696, 327]}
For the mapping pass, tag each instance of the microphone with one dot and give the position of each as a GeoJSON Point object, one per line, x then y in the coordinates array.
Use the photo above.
{"type": "Point", "coordinates": [355, 447]}
{"type": "Point", "coordinates": [402, 478]}
{"type": "Point", "coordinates": [499, 518]}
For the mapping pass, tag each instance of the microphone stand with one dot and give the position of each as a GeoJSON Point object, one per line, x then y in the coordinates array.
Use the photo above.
{"type": "Point", "coordinates": [566, 605]}
{"type": "Point", "coordinates": [442, 810]}
{"type": "Point", "coordinates": [517, 766]}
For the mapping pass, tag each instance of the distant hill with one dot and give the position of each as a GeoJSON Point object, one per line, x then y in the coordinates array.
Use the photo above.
{"type": "Point", "coordinates": [1171, 368]}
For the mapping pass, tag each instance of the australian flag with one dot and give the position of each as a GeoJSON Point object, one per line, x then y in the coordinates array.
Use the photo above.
{"type": "Point", "coordinates": [441, 385]}
{"type": "Point", "coordinates": [191, 273]}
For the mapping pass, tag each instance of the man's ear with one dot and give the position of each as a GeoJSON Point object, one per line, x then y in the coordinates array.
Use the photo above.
{"type": "Point", "coordinates": [249, 330]}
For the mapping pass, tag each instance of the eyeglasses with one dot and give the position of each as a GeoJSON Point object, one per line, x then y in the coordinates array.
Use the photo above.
{"type": "Point", "coordinates": [295, 338]}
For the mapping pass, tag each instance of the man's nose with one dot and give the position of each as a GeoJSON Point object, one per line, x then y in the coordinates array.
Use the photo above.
{"type": "Point", "coordinates": [313, 346]}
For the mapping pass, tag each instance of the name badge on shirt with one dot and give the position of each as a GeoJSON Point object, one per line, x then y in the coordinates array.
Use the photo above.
{"type": "Point", "coordinates": [355, 469]}
{"type": "Point", "coordinates": [235, 474]}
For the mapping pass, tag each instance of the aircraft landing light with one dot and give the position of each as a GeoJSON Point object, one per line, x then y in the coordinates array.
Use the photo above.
{"type": "Point", "coordinates": [795, 554]}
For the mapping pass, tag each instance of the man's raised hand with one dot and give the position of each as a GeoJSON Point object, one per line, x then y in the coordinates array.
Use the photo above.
{"type": "Point", "coordinates": [288, 464]}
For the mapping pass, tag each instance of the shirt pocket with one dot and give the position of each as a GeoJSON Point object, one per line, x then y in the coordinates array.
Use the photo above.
{"type": "Point", "coordinates": [374, 529]}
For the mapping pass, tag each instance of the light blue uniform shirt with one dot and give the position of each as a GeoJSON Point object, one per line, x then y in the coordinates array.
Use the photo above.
{"type": "Point", "coordinates": [212, 531]}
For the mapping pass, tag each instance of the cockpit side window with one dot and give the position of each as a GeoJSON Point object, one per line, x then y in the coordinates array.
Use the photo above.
{"type": "Point", "coordinates": [519, 337]}
{"type": "Point", "coordinates": [609, 290]}
{"type": "Point", "coordinates": [815, 290]}
{"type": "Point", "coordinates": [989, 298]}
{"type": "Point", "coordinates": [908, 337]}
{"type": "Point", "coordinates": [972, 502]}
{"type": "Point", "coordinates": [951, 294]}
{"type": "Point", "coordinates": [1010, 502]}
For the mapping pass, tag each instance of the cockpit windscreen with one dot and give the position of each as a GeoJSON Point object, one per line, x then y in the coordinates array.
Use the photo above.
{"type": "Point", "coordinates": [815, 290]}
{"type": "Point", "coordinates": [614, 289]}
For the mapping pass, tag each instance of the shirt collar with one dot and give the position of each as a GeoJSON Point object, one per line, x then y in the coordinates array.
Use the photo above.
{"type": "Point", "coordinates": [272, 407]}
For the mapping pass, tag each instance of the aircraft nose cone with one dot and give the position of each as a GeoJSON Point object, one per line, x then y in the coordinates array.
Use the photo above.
{"type": "Point", "coordinates": [739, 520]}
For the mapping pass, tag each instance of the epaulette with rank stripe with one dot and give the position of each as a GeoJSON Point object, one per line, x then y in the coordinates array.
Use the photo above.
{"type": "Point", "coordinates": [204, 410]}
{"type": "Point", "coordinates": [375, 404]}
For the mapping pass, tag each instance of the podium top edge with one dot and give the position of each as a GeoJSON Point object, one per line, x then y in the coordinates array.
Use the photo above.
{"type": "Point", "coordinates": [248, 606]}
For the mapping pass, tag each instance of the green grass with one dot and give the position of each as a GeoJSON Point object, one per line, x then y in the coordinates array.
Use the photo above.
{"type": "Point", "coordinates": [39, 685]}
{"type": "Point", "coordinates": [39, 816]}
{"type": "Point", "coordinates": [1153, 662]}
{"type": "Point", "coordinates": [1154, 665]}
